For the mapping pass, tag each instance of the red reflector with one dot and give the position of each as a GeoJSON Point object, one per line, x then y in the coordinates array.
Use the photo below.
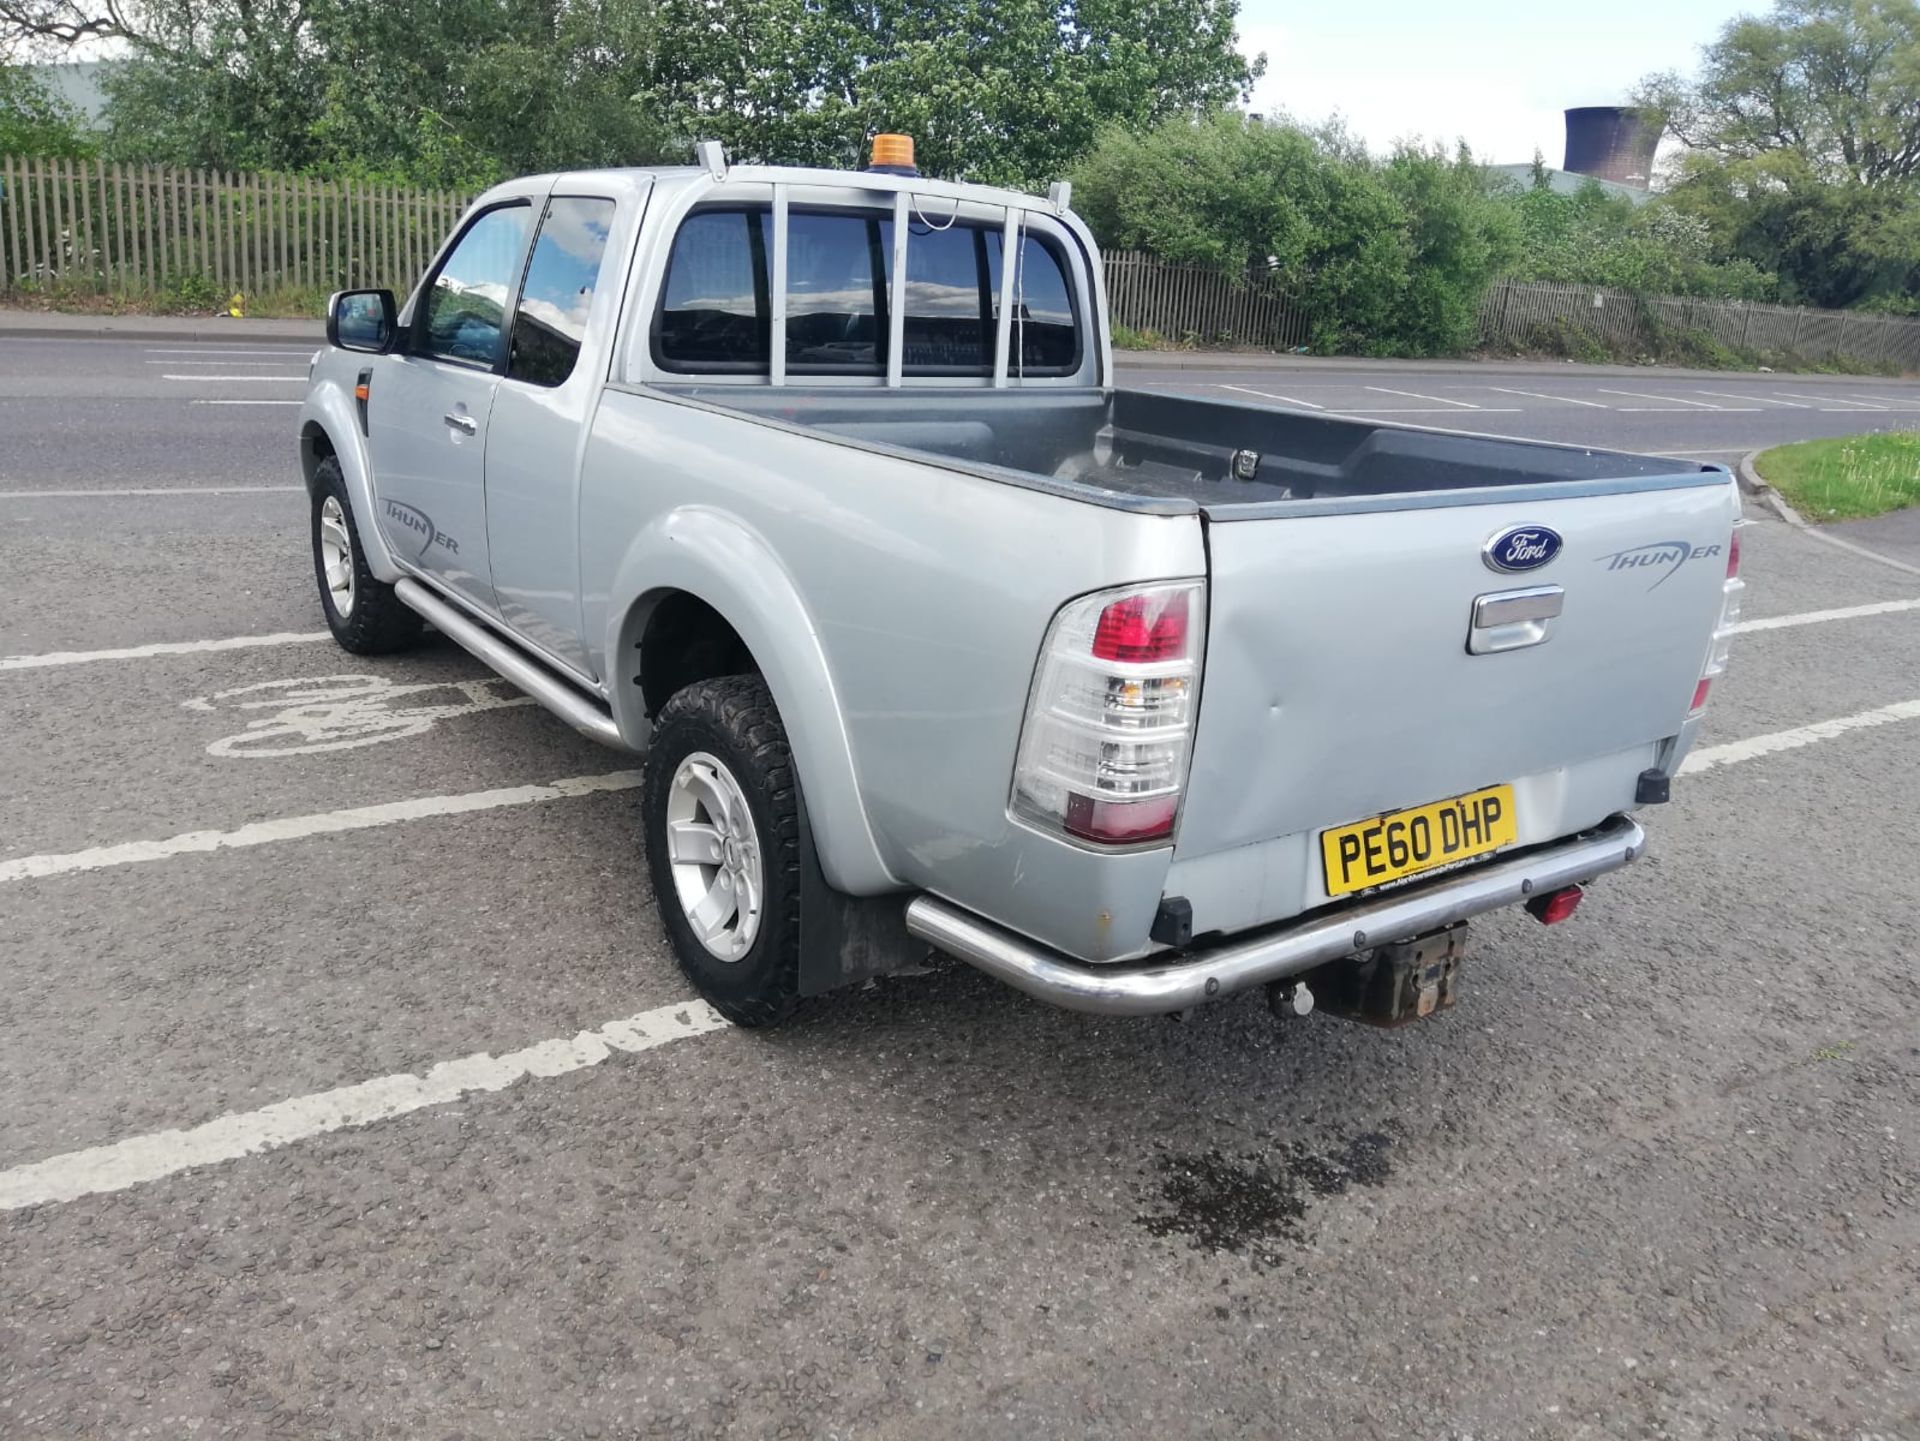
{"type": "Point", "coordinates": [1733, 556]}
{"type": "Point", "coordinates": [1554, 908]}
{"type": "Point", "coordinates": [1700, 695]}
{"type": "Point", "coordinates": [1117, 822]}
{"type": "Point", "coordinates": [1143, 627]}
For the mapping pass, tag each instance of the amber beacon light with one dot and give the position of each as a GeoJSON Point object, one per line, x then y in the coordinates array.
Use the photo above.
{"type": "Point", "coordinates": [893, 155]}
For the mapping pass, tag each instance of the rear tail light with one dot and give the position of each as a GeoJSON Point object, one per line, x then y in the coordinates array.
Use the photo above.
{"type": "Point", "coordinates": [1730, 593]}
{"type": "Point", "coordinates": [1109, 725]}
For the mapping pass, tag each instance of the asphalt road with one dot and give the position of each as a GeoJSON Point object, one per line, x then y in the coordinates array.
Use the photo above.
{"type": "Point", "coordinates": [1646, 410]}
{"type": "Point", "coordinates": [1657, 1174]}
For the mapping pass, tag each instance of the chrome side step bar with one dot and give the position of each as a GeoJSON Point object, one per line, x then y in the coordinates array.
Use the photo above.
{"type": "Point", "coordinates": [559, 695]}
{"type": "Point", "coordinates": [1158, 986]}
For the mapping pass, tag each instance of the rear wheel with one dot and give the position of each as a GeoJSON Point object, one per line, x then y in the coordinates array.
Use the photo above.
{"type": "Point", "coordinates": [363, 613]}
{"type": "Point", "coordinates": [722, 823]}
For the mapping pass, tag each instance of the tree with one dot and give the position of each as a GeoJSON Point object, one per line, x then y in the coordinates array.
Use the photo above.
{"type": "Point", "coordinates": [1834, 82]}
{"type": "Point", "coordinates": [1385, 258]}
{"type": "Point", "coordinates": [35, 121]}
{"type": "Point", "coordinates": [463, 90]}
{"type": "Point", "coordinates": [1833, 244]}
{"type": "Point", "coordinates": [1804, 128]}
{"type": "Point", "coordinates": [1009, 91]}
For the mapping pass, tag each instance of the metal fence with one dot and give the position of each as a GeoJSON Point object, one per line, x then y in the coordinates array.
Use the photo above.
{"type": "Point", "coordinates": [1192, 302]}
{"type": "Point", "coordinates": [1528, 316]}
{"type": "Point", "coordinates": [126, 229]}
{"type": "Point", "coordinates": [89, 225]}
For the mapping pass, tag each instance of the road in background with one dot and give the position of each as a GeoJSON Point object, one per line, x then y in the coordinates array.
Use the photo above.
{"type": "Point", "coordinates": [1651, 411]}
{"type": "Point", "coordinates": [1656, 1174]}
{"type": "Point", "coordinates": [165, 411]}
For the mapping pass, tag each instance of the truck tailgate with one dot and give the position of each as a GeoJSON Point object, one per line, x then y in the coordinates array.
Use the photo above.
{"type": "Point", "coordinates": [1339, 685]}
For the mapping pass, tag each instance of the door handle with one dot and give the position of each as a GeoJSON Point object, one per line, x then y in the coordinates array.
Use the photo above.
{"type": "Point", "coordinates": [1513, 619]}
{"type": "Point", "coordinates": [465, 424]}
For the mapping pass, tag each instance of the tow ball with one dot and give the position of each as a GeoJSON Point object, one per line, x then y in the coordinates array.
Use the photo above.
{"type": "Point", "coordinates": [1290, 1000]}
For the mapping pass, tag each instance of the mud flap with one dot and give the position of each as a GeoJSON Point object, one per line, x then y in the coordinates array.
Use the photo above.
{"type": "Point", "coordinates": [845, 939]}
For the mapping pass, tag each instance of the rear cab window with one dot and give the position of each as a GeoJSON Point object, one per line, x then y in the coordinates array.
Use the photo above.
{"type": "Point", "coordinates": [715, 306]}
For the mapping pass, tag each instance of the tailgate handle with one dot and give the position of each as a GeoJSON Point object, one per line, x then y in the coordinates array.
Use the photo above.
{"type": "Point", "coordinates": [1514, 619]}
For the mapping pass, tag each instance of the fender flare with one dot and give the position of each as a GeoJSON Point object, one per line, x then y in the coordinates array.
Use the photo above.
{"type": "Point", "coordinates": [330, 410]}
{"type": "Point", "coordinates": [716, 558]}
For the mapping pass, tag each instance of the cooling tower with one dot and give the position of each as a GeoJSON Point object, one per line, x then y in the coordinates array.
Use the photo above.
{"type": "Point", "coordinates": [1613, 142]}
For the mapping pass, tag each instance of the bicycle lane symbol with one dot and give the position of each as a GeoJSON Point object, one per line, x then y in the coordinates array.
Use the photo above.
{"type": "Point", "coordinates": [312, 714]}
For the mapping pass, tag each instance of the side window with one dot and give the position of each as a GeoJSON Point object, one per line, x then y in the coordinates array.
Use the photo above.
{"type": "Point", "coordinates": [466, 309]}
{"type": "Point", "coordinates": [836, 292]}
{"type": "Point", "coordinates": [1045, 337]}
{"type": "Point", "coordinates": [713, 309]}
{"type": "Point", "coordinates": [562, 275]}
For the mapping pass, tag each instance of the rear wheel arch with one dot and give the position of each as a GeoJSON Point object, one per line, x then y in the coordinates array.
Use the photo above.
{"type": "Point", "coordinates": [673, 639]}
{"type": "Point", "coordinates": [687, 637]}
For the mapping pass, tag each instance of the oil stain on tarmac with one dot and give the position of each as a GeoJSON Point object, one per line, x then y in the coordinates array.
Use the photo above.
{"type": "Point", "coordinates": [1254, 1203]}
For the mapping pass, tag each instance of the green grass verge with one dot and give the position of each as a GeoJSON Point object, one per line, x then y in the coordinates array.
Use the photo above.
{"type": "Point", "coordinates": [194, 295]}
{"type": "Point", "coordinates": [1846, 479]}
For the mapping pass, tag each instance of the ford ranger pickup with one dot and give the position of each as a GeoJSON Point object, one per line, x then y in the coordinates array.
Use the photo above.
{"type": "Point", "coordinates": [818, 489]}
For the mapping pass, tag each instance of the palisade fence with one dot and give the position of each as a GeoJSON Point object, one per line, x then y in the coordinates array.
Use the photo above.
{"type": "Point", "coordinates": [1529, 316]}
{"type": "Point", "coordinates": [133, 229]}
{"type": "Point", "coordinates": [88, 225]}
{"type": "Point", "coordinates": [1182, 302]}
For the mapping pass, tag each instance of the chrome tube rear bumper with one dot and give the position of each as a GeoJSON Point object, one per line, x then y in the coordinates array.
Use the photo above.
{"type": "Point", "coordinates": [1156, 987]}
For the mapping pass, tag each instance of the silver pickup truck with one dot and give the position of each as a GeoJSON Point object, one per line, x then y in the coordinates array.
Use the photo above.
{"type": "Point", "coordinates": [817, 488]}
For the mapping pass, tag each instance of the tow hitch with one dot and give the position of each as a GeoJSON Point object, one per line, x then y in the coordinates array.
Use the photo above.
{"type": "Point", "coordinates": [1395, 984]}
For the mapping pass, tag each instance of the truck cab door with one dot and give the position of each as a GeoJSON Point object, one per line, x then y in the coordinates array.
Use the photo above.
{"type": "Point", "coordinates": [431, 398]}
{"type": "Point", "coordinates": [561, 335]}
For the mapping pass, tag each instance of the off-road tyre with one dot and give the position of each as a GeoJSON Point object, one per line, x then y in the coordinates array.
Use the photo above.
{"type": "Point", "coordinates": [733, 720]}
{"type": "Point", "coordinates": [376, 622]}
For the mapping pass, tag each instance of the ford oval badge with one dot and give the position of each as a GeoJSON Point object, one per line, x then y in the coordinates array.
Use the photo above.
{"type": "Point", "coordinates": [1521, 547]}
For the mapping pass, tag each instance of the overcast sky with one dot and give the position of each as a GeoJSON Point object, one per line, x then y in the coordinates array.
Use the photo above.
{"type": "Point", "coordinates": [1498, 72]}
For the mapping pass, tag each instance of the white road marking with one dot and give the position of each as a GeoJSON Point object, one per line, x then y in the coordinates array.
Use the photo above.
{"type": "Point", "coordinates": [1537, 395]}
{"type": "Point", "coordinates": [1672, 401]}
{"type": "Point", "coordinates": [1756, 746]}
{"type": "Point", "coordinates": [169, 647]}
{"type": "Point", "coordinates": [249, 402]}
{"type": "Point", "coordinates": [1814, 532]}
{"type": "Point", "coordinates": [320, 823]}
{"type": "Point", "coordinates": [1268, 395]}
{"type": "Point", "coordinates": [1816, 617]}
{"type": "Point", "coordinates": [1764, 401]}
{"type": "Point", "coordinates": [1832, 409]}
{"type": "Point", "coordinates": [1416, 395]}
{"type": "Point", "coordinates": [138, 1159]}
{"type": "Point", "coordinates": [149, 490]}
{"type": "Point", "coordinates": [262, 379]}
{"type": "Point", "coordinates": [279, 358]}
{"type": "Point", "coordinates": [218, 351]}
{"type": "Point", "coordinates": [1424, 410]}
{"type": "Point", "coordinates": [312, 714]}
{"type": "Point", "coordinates": [1889, 400]}
{"type": "Point", "coordinates": [121, 1165]}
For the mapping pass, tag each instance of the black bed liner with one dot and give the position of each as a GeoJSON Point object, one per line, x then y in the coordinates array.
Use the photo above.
{"type": "Point", "coordinates": [1183, 448]}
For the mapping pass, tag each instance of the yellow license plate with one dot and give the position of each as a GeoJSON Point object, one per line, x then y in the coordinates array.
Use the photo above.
{"type": "Point", "coordinates": [1405, 843]}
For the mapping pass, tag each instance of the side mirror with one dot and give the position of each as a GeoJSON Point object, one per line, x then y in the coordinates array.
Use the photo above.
{"type": "Point", "coordinates": [361, 320]}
